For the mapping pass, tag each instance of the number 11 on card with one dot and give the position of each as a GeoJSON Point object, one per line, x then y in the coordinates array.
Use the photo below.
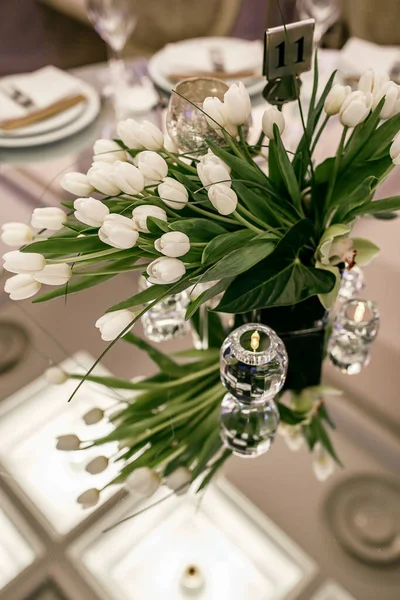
{"type": "Point", "coordinates": [288, 51]}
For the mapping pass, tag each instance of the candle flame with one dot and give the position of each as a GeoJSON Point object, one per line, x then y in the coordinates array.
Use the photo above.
{"type": "Point", "coordinates": [255, 340]}
{"type": "Point", "coordinates": [359, 312]}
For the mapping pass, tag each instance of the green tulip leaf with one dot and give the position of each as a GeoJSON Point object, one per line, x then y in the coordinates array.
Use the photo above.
{"type": "Point", "coordinates": [224, 243]}
{"type": "Point", "coordinates": [366, 251]}
{"type": "Point", "coordinates": [198, 230]}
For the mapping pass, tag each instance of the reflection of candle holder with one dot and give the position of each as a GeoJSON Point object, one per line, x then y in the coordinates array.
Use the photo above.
{"type": "Point", "coordinates": [192, 581]}
{"type": "Point", "coordinates": [253, 363]}
{"type": "Point", "coordinates": [359, 318]}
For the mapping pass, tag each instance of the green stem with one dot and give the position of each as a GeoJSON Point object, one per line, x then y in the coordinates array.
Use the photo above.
{"type": "Point", "coordinates": [179, 162]}
{"type": "Point", "coordinates": [335, 168]}
{"type": "Point", "coordinates": [57, 261]}
{"type": "Point", "coordinates": [198, 244]}
{"type": "Point", "coordinates": [232, 144]}
{"type": "Point", "coordinates": [248, 214]}
{"type": "Point", "coordinates": [211, 215]}
{"type": "Point", "coordinates": [95, 273]}
{"type": "Point", "coordinates": [246, 223]}
{"type": "Point", "coordinates": [244, 146]}
{"type": "Point", "coordinates": [316, 139]}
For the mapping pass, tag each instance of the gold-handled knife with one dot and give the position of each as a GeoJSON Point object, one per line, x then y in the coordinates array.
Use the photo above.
{"type": "Point", "coordinates": [44, 113]}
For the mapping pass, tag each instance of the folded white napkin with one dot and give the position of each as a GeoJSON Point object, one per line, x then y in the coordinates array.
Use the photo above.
{"type": "Point", "coordinates": [237, 55]}
{"type": "Point", "coordinates": [43, 87]}
{"type": "Point", "coordinates": [358, 55]}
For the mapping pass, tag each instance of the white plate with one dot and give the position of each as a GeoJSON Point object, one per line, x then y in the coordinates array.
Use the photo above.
{"type": "Point", "coordinates": [84, 117]}
{"type": "Point", "coordinates": [158, 69]}
{"type": "Point", "coordinates": [50, 124]}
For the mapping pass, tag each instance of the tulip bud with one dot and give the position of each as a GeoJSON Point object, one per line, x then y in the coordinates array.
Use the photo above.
{"type": "Point", "coordinates": [93, 416]}
{"type": "Point", "coordinates": [212, 169]}
{"type": "Point", "coordinates": [16, 234]}
{"type": "Point", "coordinates": [100, 176]}
{"type": "Point", "coordinates": [165, 270]}
{"type": "Point", "coordinates": [113, 323]}
{"type": "Point", "coordinates": [323, 464]}
{"type": "Point", "coordinates": [21, 287]}
{"type": "Point", "coordinates": [23, 262]}
{"type": "Point", "coordinates": [371, 81]}
{"type": "Point", "coordinates": [180, 480]}
{"type": "Point", "coordinates": [355, 108]}
{"type": "Point", "coordinates": [58, 274]}
{"type": "Point", "coordinates": [395, 150]}
{"type": "Point", "coordinates": [140, 214]}
{"type": "Point", "coordinates": [137, 136]}
{"type": "Point", "coordinates": [77, 183]}
{"type": "Point", "coordinates": [173, 193]}
{"type": "Point", "coordinates": [68, 443]}
{"type": "Point", "coordinates": [89, 498]}
{"type": "Point", "coordinates": [152, 166]}
{"type": "Point", "coordinates": [391, 106]}
{"type": "Point", "coordinates": [108, 151]}
{"type": "Point", "coordinates": [237, 104]}
{"type": "Point", "coordinates": [55, 375]}
{"type": "Point", "coordinates": [214, 112]}
{"type": "Point", "coordinates": [173, 244]}
{"type": "Point", "coordinates": [223, 199]}
{"type": "Point", "coordinates": [335, 99]}
{"type": "Point", "coordinates": [50, 217]}
{"type": "Point", "coordinates": [127, 177]}
{"type": "Point", "coordinates": [90, 211]}
{"type": "Point", "coordinates": [143, 481]}
{"type": "Point", "coordinates": [119, 231]}
{"type": "Point", "coordinates": [97, 465]}
{"type": "Point", "coordinates": [170, 145]}
{"type": "Point", "coordinates": [272, 116]}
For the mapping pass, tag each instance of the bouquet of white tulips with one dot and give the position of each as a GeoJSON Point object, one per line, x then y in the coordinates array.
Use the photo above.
{"type": "Point", "coordinates": [265, 237]}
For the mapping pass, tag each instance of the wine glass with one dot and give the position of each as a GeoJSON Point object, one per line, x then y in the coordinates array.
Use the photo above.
{"type": "Point", "coordinates": [325, 13]}
{"type": "Point", "coordinates": [114, 21]}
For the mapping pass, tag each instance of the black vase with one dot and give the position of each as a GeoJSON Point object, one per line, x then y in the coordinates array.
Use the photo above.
{"type": "Point", "coordinates": [302, 328]}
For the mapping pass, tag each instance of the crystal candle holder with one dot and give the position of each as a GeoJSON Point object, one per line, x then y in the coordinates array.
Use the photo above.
{"type": "Point", "coordinates": [358, 318]}
{"type": "Point", "coordinates": [253, 363]}
{"type": "Point", "coordinates": [352, 282]}
{"type": "Point", "coordinates": [348, 353]}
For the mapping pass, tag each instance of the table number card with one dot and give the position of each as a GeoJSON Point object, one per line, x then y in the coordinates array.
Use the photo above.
{"type": "Point", "coordinates": [288, 49]}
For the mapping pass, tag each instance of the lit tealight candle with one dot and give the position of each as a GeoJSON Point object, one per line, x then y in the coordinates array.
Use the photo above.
{"type": "Point", "coordinates": [359, 318]}
{"type": "Point", "coordinates": [192, 580]}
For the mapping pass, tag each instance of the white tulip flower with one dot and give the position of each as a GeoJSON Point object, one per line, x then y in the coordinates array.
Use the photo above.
{"type": "Point", "coordinates": [127, 177]}
{"type": "Point", "coordinates": [49, 217]}
{"type": "Point", "coordinates": [165, 270]}
{"type": "Point", "coordinates": [68, 443]}
{"type": "Point", "coordinates": [372, 81]}
{"type": "Point", "coordinates": [16, 234]}
{"type": "Point", "coordinates": [223, 198]}
{"type": "Point", "coordinates": [323, 464]}
{"type": "Point", "coordinates": [21, 287]}
{"type": "Point", "coordinates": [173, 244]}
{"type": "Point", "coordinates": [90, 211]}
{"type": "Point", "coordinates": [355, 108]}
{"type": "Point", "coordinates": [152, 166]}
{"type": "Point", "coordinates": [140, 214]}
{"type": "Point", "coordinates": [89, 498]}
{"type": "Point", "coordinates": [97, 465]}
{"type": "Point", "coordinates": [170, 145]}
{"type": "Point", "coordinates": [100, 176]}
{"type": "Point", "coordinates": [113, 323]}
{"type": "Point", "coordinates": [26, 263]}
{"type": "Point", "coordinates": [108, 151]}
{"type": "Point", "coordinates": [212, 169]}
{"type": "Point", "coordinates": [143, 481]}
{"type": "Point", "coordinates": [173, 193]}
{"type": "Point", "coordinates": [335, 99]}
{"type": "Point", "coordinates": [214, 113]}
{"type": "Point", "coordinates": [139, 136]}
{"type": "Point", "coordinates": [119, 232]}
{"type": "Point", "coordinates": [180, 480]}
{"type": "Point", "coordinates": [58, 274]}
{"type": "Point", "coordinates": [77, 184]}
{"type": "Point", "coordinates": [55, 375]}
{"type": "Point", "coordinates": [391, 106]}
{"type": "Point", "coordinates": [237, 104]}
{"type": "Point", "coordinates": [272, 116]}
{"type": "Point", "coordinates": [395, 150]}
{"type": "Point", "coordinates": [93, 416]}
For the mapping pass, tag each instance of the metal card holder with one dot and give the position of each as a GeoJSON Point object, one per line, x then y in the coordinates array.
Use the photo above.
{"type": "Point", "coordinates": [288, 49]}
